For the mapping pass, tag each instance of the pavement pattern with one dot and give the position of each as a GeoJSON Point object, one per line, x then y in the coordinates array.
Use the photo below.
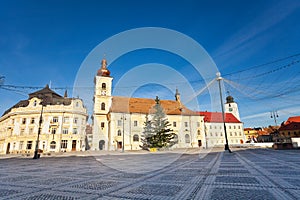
{"type": "Point", "coordinates": [243, 174]}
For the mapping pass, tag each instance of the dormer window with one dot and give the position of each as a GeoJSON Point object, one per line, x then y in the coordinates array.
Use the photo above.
{"type": "Point", "coordinates": [34, 103]}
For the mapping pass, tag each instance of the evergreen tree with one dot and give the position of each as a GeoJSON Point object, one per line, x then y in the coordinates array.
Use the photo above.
{"type": "Point", "coordinates": [156, 131]}
{"type": "Point", "coordinates": [147, 134]}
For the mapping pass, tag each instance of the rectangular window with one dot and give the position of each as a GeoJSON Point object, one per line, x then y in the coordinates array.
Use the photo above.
{"type": "Point", "coordinates": [55, 119]}
{"type": "Point", "coordinates": [32, 121]}
{"type": "Point", "coordinates": [30, 131]}
{"type": "Point", "coordinates": [29, 145]}
{"type": "Point", "coordinates": [135, 123]}
{"type": "Point", "coordinates": [102, 124]}
{"type": "Point", "coordinates": [22, 131]}
{"type": "Point", "coordinates": [53, 131]}
{"type": "Point", "coordinates": [75, 120]}
{"type": "Point", "coordinates": [64, 144]}
{"type": "Point", "coordinates": [186, 124]}
{"type": "Point", "coordinates": [74, 130]}
{"type": "Point", "coordinates": [119, 122]}
{"type": "Point", "coordinates": [21, 145]}
{"type": "Point", "coordinates": [24, 121]}
{"type": "Point", "coordinates": [174, 124]}
{"type": "Point", "coordinates": [66, 119]}
{"type": "Point", "coordinates": [65, 131]}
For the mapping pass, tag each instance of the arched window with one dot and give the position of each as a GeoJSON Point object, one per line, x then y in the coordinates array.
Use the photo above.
{"type": "Point", "coordinates": [187, 138]}
{"type": "Point", "coordinates": [175, 139]}
{"type": "Point", "coordinates": [53, 145]}
{"type": "Point", "coordinates": [102, 106]}
{"type": "Point", "coordinates": [135, 137]}
{"type": "Point", "coordinates": [104, 86]}
{"type": "Point", "coordinates": [119, 133]}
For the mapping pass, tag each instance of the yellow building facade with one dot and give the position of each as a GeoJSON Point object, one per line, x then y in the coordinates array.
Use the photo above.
{"type": "Point", "coordinates": [61, 122]}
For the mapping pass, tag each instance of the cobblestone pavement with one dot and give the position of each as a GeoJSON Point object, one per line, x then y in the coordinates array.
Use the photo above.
{"type": "Point", "coordinates": [243, 174]}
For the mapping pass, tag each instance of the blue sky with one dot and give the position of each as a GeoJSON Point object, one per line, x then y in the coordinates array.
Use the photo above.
{"type": "Point", "coordinates": [47, 41]}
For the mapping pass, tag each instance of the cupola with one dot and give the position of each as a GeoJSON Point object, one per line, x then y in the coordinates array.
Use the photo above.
{"type": "Point", "coordinates": [103, 71]}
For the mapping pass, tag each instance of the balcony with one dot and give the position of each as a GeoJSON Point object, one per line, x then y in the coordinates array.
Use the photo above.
{"type": "Point", "coordinates": [54, 123]}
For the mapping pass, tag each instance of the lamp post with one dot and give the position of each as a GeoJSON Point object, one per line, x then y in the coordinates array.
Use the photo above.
{"type": "Point", "coordinates": [219, 78]}
{"type": "Point", "coordinates": [123, 139]}
{"type": "Point", "coordinates": [274, 115]}
{"type": "Point", "coordinates": [36, 153]}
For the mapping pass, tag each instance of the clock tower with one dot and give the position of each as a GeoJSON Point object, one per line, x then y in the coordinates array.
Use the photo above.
{"type": "Point", "coordinates": [232, 107]}
{"type": "Point", "coordinates": [102, 104]}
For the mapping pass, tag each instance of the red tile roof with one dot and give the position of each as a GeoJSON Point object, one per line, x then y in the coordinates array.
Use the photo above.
{"type": "Point", "coordinates": [293, 119]}
{"type": "Point", "coordinates": [144, 106]}
{"type": "Point", "coordinates": [216, 117]}
{"type": "Point", "coordinates": [290, 126]}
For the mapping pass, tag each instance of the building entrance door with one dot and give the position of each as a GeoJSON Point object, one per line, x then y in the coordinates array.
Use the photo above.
{"type": "Point", "coordinates": [119, 145]}
{"type": "Point", "coordinates": [101, 145]}
{"type": "Point", "coordinates": [74, 145]}
{"type": "Point", "coordinates": [199, 143]}
{"type": "Point", "coordinates": [8, 148]}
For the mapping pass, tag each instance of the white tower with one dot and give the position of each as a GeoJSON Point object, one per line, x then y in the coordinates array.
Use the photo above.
{"type": "Point", "coordinates": [232, 107]}
{"type": "Point", "coordinates": [102, 104]}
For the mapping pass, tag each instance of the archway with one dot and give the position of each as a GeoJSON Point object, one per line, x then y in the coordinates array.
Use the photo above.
{"type": "Point", "coordinates": [101, 145]}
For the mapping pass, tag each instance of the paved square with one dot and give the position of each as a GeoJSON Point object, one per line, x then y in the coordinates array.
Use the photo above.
{"type": "Point", "coordinates": [194, 174]}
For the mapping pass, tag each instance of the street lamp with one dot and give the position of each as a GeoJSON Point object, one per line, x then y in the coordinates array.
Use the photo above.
{"type": "Point", "coordinates": [36, 154]}
{"type": "Point", "coordinates": [123, 118]}
{"type": "Point", "coordinates": [274, 115]}
{"type": "Point", "coordinates": [219, 78]}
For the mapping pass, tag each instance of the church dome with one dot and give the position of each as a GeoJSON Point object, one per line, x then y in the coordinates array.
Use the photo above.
{"type": "Point", "coordinates": [103, 71]}
{"type": "Point", "coordinates": [229, 99]}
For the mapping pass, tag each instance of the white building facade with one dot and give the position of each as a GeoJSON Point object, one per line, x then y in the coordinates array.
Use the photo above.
{"type": "Point", "coordinates": [119, 121]}
{"type": "Point", "coordinates": [214, 129]}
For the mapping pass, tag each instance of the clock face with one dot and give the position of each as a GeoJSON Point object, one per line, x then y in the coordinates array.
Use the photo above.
{"type": "Point", "coordinates": [103, 92]}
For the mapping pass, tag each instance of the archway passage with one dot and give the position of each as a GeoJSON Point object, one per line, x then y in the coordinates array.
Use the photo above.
{"type": "Point", "coordinates": [101, 145]}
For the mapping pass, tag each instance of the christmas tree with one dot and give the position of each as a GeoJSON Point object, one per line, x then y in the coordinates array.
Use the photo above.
{"type": "Point", "coordinates": [157, 133]}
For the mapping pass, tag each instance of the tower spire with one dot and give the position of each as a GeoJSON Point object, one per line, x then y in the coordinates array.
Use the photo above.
{"type": "Point", "coordinates": [177, 95]}
{"type": "Point", "coordinates": [103, 71]}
